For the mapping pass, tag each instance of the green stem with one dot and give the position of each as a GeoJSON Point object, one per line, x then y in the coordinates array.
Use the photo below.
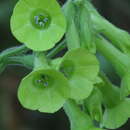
{"type": "Point", "coordinates": [23, 60]}
{"type": "Point", "coordinates": [4, 55]}
{"type": "Point", "coordinates": [120, 61]}
{"type": "Point", "coordinates": [8, 57]}
{"type": "Point", "coordinates": [13, 51]}
{"type": "Point", "coordinates": [57, 49]}
{"type": "Point", "coordinates": [27, 60]}
{"type": "Point", "coordinates": [40, 61]}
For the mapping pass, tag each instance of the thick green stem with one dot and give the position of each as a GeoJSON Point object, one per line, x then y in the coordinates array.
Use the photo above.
{"type": "Point", "coordinates": [120, 61]}
{"type": "Point", "coordinates": [40, 61]}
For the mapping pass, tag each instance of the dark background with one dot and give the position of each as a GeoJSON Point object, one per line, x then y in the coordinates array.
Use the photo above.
{"type": "Point", "coordinates": [12, 115]}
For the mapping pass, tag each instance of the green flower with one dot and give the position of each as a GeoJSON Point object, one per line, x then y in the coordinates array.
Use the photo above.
{"type": "Point", "coordinates": [117, 110]}
{"type": "Point", "coordinates": [39, 24]}
{"type": "Point", "coordinates": [79, 120]}
{"type": "Point", "coordinates": [114, 117]}
{"type": "Point", "coordinates": [81, 69]}
{"type": "Point", "coordinates": [43, 90]}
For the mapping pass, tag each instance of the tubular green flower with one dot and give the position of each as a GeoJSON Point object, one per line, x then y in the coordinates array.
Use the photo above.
{"type": "Point", "coordinates": [81, 69]}
{"type": "Point", "coordinates": [118, 37]}
{"type": "Point", "coordinates": [117, 116]}
{"type": "Point", "coordinates": [119, 60]}
{"type": "Point", "coordinates": [117, 110]}
{"type": "Point", "coordinates": [79, 120]}
{"type": "Point", "coordinates": [85, 27]}
{"type": "Point", "coordinates": [39, 24]}
{"type": "Point", "coordinates": [72, 35]}
{"type": "Point", "coordinates": [43, 90]}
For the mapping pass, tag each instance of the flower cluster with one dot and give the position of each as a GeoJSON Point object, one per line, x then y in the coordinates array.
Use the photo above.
{"type": "Point", "coordinates": [78, 78]}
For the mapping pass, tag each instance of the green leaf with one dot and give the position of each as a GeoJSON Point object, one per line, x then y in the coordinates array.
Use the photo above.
{"type": "Point", "coordinates": [43, 90]}
{"type": "Point", "coordinates": [38, 24]}
{"type": "Point", "coordinates": [116, 116]}
{"type": "Point", "coordinates": [81, 68]}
